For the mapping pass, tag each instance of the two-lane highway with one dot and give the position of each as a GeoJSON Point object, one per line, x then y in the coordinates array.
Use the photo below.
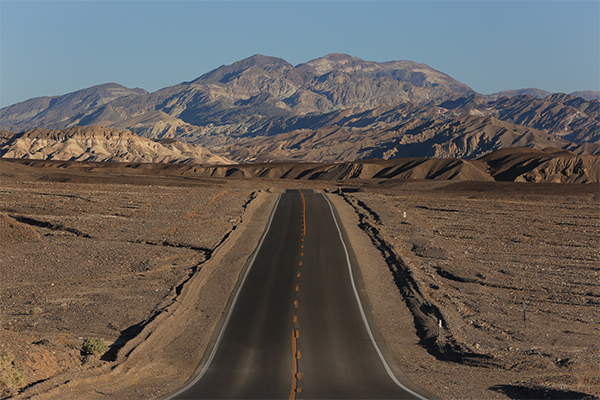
{"type": "Point", "coordinates": [296, 328]}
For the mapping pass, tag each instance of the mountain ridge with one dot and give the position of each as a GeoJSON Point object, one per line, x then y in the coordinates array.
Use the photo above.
{"type": "Point", "coordinates": [294, 90]}
{"type": "Point", "coordinates": [261, 97]}
{"type": "Point", "coordinates": [549, 165]}
{"type": "Point", "coordinates": [101, 144]}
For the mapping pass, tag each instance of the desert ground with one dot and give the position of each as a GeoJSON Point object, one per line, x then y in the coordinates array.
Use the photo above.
{"type": "Point", "coordinates": [511, 270]}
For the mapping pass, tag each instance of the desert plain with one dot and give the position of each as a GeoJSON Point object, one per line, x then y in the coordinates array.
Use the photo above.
{"type": "Point", "coordinates": [510, 269]}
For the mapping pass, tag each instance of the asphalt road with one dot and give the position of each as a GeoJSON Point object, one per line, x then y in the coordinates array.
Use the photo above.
{"type": "Point", "coordinates": [296, 329]}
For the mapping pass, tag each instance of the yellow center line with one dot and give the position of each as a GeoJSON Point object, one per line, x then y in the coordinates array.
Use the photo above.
{"type": "Point", "coordinates": [303, 214]}
{"type": "Point", "coordinates": [296, 333]}
{"type": "Point", "coordinates": [296, 355]}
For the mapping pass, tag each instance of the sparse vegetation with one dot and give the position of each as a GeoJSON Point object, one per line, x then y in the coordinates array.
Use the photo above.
{"type": "Point", "coordinates": [10, 376]}
{"type": "Point", "coordinates": [93, 346]}
{"type": "Point", "coordinates": [36, 310]}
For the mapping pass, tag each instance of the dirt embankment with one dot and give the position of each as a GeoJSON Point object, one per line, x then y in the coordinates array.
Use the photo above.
{"type": "Point", "coordinates": [513, 276]}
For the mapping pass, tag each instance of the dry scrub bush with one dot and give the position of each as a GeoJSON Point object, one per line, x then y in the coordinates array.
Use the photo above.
{"type": "Point", "coordinates": [36, 310]}
{"type": "Point", "coordinates": [93, 346]}
{"type": "Point", "coordinates": [10, 376]}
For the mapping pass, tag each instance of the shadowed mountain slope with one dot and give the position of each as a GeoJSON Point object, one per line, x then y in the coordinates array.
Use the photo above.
{"type": "Point", "coordinates": [59, 112]}
{"type": "Point", "coordinates": [462, 137]}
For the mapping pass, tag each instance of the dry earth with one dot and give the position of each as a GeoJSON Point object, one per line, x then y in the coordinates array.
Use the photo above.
{"type": "Point", "coordinates": [85, 260]}
{"type": "Point", "coordinates": [117, 257]}
{"type": "Point", "coordinates": [473, 255]}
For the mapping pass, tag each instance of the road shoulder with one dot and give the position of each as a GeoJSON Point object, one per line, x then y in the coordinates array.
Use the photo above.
{"type": "Point", "coordinates": [389, 311]}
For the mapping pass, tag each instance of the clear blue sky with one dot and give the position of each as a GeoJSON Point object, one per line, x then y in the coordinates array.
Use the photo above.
{"type": "Point", "coordinates": [51, 48]}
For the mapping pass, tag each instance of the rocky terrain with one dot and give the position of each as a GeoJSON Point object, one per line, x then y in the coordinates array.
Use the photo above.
{"type": "Point", "coordinates": [39, 110]}
{"type": "Point", "coordinates": [510, 164]}
{"type": "Point", "coordinates": [101, 144]}
{"type": "Point", "coordinates": [263, 108]}
{"type": "Point", "coordinates": [87, 260]}
{"type": "Point", "coordinates": [253, 88]}
{"type": "Point", "coordinates": [463, 137]}
{"type": "Point", "coordinates": [511, 270]}
{"type": "Point", "coordinates": [126, 252]}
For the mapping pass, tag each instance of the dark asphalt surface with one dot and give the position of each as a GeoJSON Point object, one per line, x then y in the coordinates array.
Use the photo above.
{"type": "Point", "coordinates": [296, 329]}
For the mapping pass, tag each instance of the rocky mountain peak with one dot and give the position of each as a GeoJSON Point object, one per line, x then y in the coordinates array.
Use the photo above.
{"type": "Point", "coordinates": [331, 62]}
{"type": "Point", "coordinates": [257, 62]}
{"type": "Point", "coordinates": [560, 98]}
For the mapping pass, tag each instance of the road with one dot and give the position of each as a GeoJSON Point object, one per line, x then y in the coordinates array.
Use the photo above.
{"type": "Point", "coordinates": [296, 329]}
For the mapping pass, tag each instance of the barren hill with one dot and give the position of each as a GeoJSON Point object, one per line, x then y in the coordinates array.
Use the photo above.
{"type": "Point", "coordinates": [59, 112]}
{"type": "Point", "coordinates": [513, 164]}
{"type": "Point", "coordinates": [462, 137]}
{"type": "Point", "coordinates": [101, 144]}
{"type": "Point", "coordinates": [549, 165]}
{"type": "Point", "coordinates": [571, 118]}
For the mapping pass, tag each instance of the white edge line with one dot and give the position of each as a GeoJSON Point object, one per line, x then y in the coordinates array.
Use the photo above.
{"type": "Point", "coordinates": [218, 342]}
{"type": "Point", "coordinates": [362, 312]}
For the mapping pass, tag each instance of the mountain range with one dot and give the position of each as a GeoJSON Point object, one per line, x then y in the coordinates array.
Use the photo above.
{"type": "Point", "coordinates": [334, 108]}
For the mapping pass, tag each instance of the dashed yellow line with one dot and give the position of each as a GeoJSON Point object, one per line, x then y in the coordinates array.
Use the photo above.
{"type": "Point", "coordinates": [295, 374]}
{"type": "Point", "coordinates": [295, 333]}
{"type": "Point", "coordinates": [303, 212]}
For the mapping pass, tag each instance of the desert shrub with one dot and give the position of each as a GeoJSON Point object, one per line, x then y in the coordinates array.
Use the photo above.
{"type": "Point", "coordinates": [93, 345]}
{"type": "Point", "coordinates": [36, 310]}
{"type": "Point", "coordinates": [10, 376]}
